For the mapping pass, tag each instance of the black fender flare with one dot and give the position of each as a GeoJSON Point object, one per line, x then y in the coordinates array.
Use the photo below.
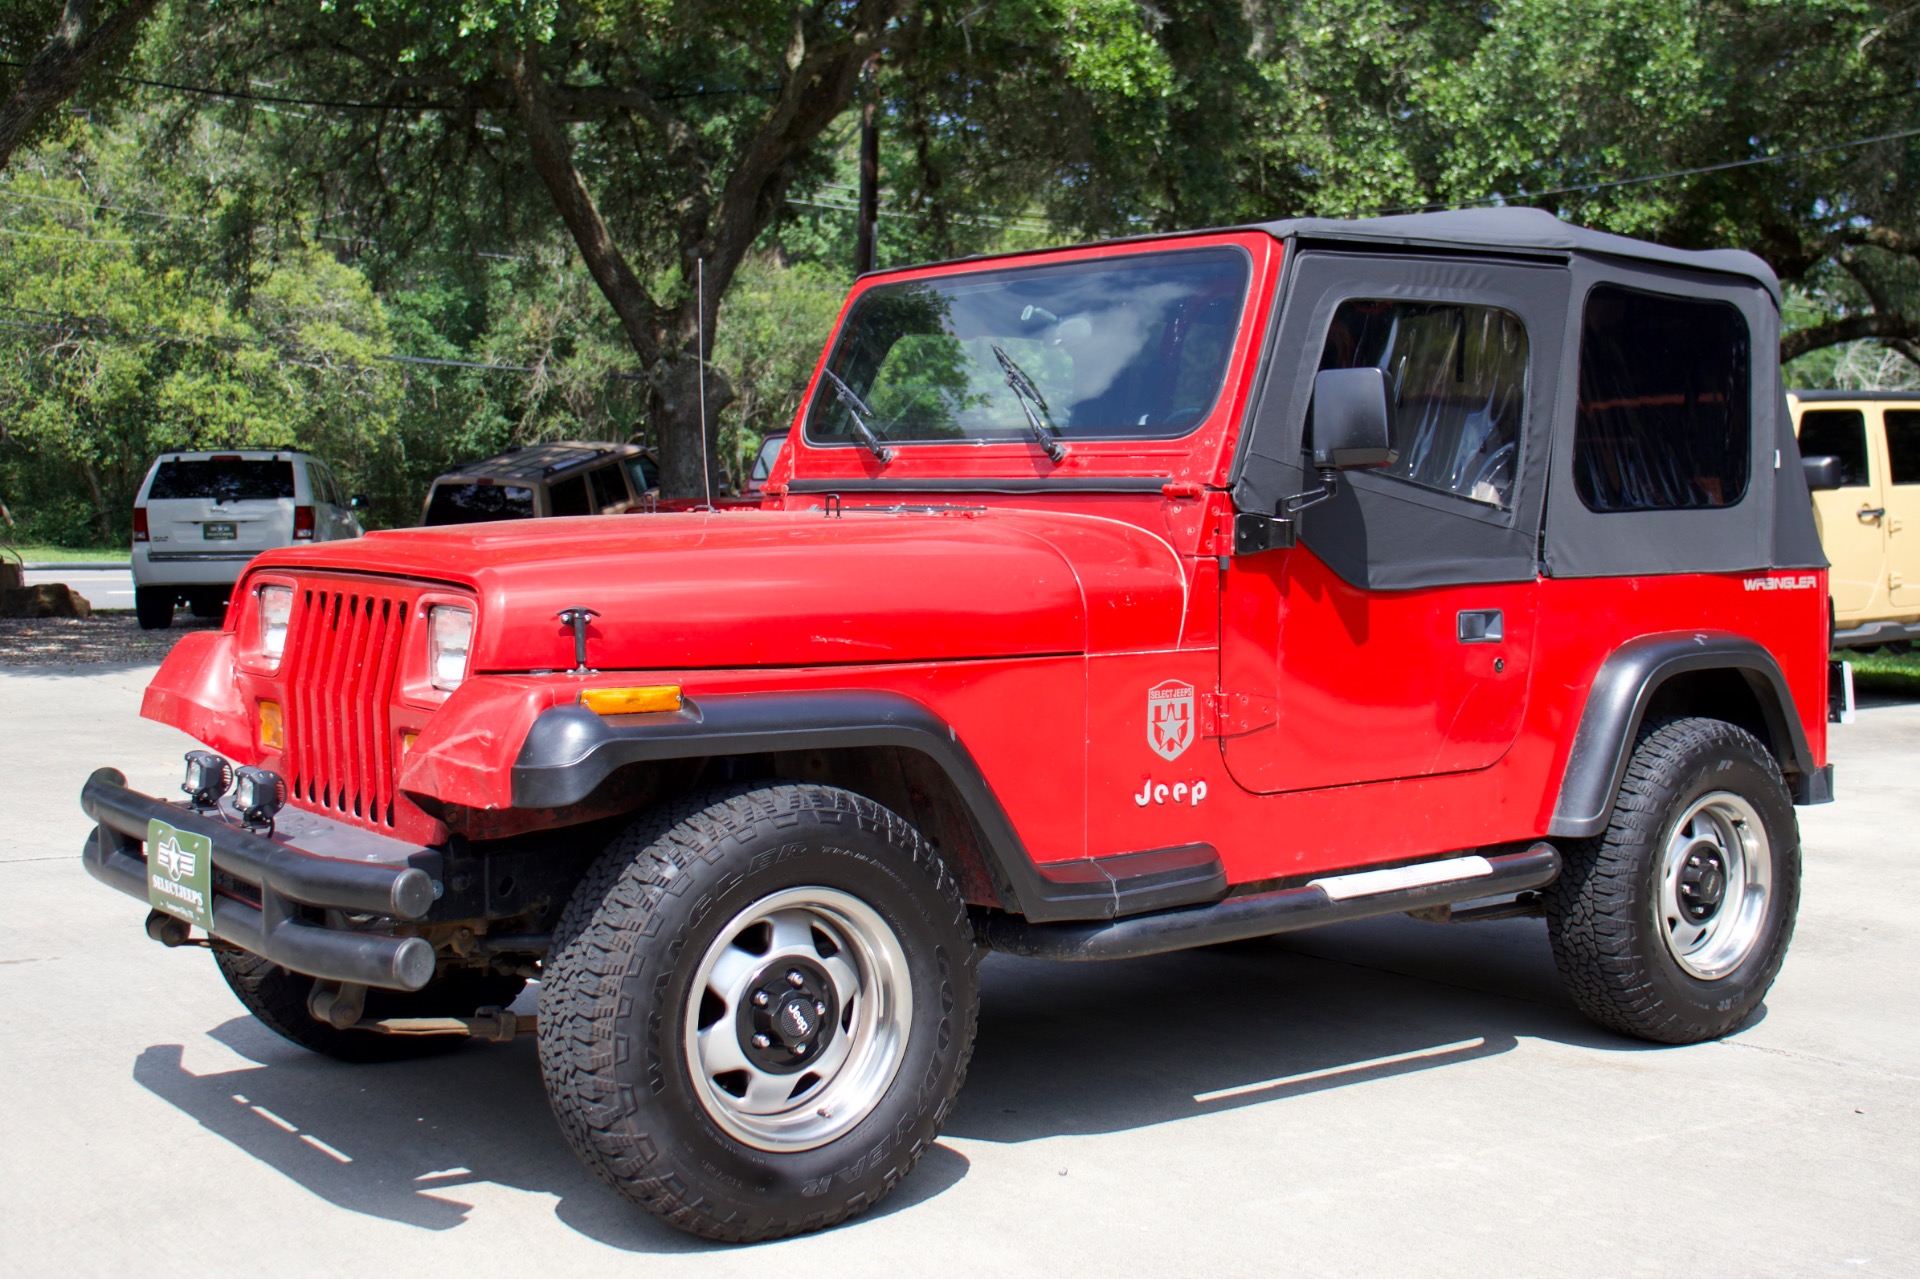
{"type": "Point", "coordinates": [1617, 705]}
{"type": "Point", "coordinates": [570, 751]}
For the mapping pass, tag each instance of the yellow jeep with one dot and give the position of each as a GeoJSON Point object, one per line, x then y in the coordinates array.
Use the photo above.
{"type": "Point", "coordinates": [1861, 450]}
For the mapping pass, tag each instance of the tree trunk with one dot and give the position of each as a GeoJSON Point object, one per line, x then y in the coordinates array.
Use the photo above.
{"type": "Point", "coordinates": [103, 519]}
{"type": "Point", "coordinates": [672, 338]}
{"type": "Point", "coordinates": [1850, 328]}
{"type": "Point", "coordinates": [56, 71]}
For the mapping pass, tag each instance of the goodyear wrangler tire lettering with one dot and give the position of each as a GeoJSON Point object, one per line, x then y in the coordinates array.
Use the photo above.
{"type": "Point", "coordinates": [758, 1009]}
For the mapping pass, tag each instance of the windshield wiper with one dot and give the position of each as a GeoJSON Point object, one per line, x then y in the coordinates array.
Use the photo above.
{"type": "Point", "coordinates": [1030, 399]}
{"type": "Point", "coordinates": [858, 411]}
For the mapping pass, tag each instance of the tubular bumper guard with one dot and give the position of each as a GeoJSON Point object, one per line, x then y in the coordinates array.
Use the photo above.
{"type": "Point", "coordinates": [286, 878]}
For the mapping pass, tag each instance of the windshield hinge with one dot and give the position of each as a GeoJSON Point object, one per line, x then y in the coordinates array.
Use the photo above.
{"type": "Point", "coordinates": [1254, 533]}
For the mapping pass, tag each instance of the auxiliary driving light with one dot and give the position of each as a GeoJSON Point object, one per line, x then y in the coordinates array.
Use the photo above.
{"type": "Point", "coordinates": [258, 793]}
{"type": "Point", "coordinates": [208, 776]}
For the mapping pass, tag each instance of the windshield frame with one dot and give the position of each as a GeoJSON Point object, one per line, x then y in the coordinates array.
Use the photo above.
{"type": "Point", "coordinates": [984, 272]}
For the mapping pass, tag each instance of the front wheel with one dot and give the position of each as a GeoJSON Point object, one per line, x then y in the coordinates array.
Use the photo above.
{"type": "Point", "coordinates": [1673, 924]}
{"type": "Point", "coordinates": [758, 1009]}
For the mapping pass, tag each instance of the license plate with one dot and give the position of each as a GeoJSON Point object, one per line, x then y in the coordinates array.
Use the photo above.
{"type": "Point", "coordinates": [217, 532]}
{"type": "Point", "coordinates": [180, 873]}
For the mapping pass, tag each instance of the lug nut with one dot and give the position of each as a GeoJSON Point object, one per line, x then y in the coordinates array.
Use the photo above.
{"type": "Point", "coordinates": [819, 1009]}
{"type": "Point", "coordinates": [759, 999]}
{"type": "Point", "coordinates": [794, 978]}
{"type": "Point", "coordinates": [799, 1050]}
{"type": "Point", "coordinates": [762, 1041]}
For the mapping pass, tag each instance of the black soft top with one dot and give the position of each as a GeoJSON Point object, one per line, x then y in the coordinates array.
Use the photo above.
{"type": "Point", "coordinates": [1526, 230]}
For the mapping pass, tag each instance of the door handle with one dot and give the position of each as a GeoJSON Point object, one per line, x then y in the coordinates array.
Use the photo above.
{"type": "Point", "coordinates": [1480, 626]}
{"type": "Point", "coordinates": [1868, 514]}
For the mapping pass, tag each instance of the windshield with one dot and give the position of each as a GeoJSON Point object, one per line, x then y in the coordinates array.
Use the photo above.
{"type": "Point", "coordinates": [1117, 348]}
{"type": "Point", "coordinates": [221, 479]}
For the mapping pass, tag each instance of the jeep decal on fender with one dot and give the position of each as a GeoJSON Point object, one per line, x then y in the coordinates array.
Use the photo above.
{"type": "Point", "coordinates": [1170, 718]}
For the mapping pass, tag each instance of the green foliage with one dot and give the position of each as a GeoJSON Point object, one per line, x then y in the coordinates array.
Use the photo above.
{"type": "Point", "coordinates": [288, 250]}
{"type": "Point", "coordinates": [1884, 671]}
{"type": "Point", "coordinates": [768, 341]}
{"type": "Point", "coordinates": [115, 348]}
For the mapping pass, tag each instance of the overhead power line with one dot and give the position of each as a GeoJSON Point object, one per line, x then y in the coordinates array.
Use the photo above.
{"type": "Point", "coordinates": [1669, 175]}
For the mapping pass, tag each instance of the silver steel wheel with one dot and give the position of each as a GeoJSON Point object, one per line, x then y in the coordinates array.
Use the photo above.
{"type": "Point", "coordinates": [1716, 878]}
{"type": "Point", "coordinates": [798, 1019]}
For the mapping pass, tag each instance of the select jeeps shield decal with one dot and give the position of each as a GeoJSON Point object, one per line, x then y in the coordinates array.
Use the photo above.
{"type": "Point", "coordinates": [180, 873]}
{"type": "Point", "coordinates": [1170, 718]}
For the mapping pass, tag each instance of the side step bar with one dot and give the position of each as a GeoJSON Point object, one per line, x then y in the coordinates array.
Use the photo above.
{"type": "Point", "coordinates": [1328, 900]}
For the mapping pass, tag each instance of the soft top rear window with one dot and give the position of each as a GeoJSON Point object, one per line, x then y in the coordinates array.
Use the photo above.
{"type": "Point", "coordinates": [1664, 421]}
{"type": "Point", "coordinates": [1129, 347]}
{"type": "Point", "coordinates": [222, 480]}
{"type": "Point", "coordinates": [479, 503]}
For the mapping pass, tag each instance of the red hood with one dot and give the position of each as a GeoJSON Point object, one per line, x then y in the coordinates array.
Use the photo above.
{"type": "Point", "coordinates": [754, 588]}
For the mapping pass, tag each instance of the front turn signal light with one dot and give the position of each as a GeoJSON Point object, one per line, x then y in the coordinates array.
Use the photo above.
{"type": "Point", "coordinates": [273, 734]}
{"type": "Point", "coordinates": [632, 701]}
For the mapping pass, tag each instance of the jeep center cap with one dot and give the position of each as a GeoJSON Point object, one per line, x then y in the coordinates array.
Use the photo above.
{"type": "Point", "coordinates": [789, 1015]}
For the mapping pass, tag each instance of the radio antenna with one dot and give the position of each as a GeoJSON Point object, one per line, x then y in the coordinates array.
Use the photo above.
{"type": "Point", "coordinates": [700, 349]}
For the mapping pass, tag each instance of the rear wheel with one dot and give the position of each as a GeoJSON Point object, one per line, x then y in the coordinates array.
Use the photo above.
{"type": "Point", "coordinates": [1673, 924]}
{"type": "Point", "coordinates": [278, 999]}
{"type": "Point", "coordinates": [153, 606]}
{"type": "Point", "coordinates": [759, 1008]}
{"type": "Point", "coordinates": [208, 604]}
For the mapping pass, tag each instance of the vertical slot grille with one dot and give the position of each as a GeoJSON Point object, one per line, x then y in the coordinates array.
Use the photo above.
{"type": "Point", "coordinates": [343, 661]}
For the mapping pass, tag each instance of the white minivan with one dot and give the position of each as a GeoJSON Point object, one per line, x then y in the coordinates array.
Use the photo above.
{"type": "Point", "coordinates": [199, 517]}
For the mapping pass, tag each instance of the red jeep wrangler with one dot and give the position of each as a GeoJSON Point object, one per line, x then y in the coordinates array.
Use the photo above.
{"type": "Point", "coordinates": [1106, 601]}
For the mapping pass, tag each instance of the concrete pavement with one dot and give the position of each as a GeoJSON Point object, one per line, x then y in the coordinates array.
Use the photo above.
{"type": "Point", "coordinates": [1387, 1098]}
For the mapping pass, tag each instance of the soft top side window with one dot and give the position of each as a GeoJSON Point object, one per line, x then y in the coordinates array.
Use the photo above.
{"type": "Point", "coordinates": [1665, 420]}
{"type": "Point", "coordinates": [1457, 375]}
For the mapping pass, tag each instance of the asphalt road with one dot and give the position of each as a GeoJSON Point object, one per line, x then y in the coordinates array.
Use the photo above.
{"type": "Point", "coordinates": [1389, 1098]}
{"type": "Point", "coordinates": [103, 587]}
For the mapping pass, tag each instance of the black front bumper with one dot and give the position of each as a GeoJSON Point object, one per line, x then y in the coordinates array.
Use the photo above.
{"type": "Point", "coordinates": [300, 909]}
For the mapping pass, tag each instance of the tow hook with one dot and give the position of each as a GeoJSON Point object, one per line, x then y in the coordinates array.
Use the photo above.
{"type": "Point", "coordinates": [340, 1004]}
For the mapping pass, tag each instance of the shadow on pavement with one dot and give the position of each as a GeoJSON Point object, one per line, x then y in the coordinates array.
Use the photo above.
{"type": "Point", "coordinates": [1063, 1049]}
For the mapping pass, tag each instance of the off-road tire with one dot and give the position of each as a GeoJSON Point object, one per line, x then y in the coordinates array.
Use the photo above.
{"type": "Point", "coordinates": [278, 999]}
{"type": "Point", "coordinates": [616, 986]}
{"type": "Point", "coordinates": [153, 607]}
{"type": "Point", "coordinates": [1604, 917]}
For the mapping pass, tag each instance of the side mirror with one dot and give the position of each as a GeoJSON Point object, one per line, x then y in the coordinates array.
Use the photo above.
{"type": "Point", "coordinates": [1823, 472]}
{"type": "Point", "coordinates": [1350, 421]}
{"type": "Point", "coordinates": [358, 502]}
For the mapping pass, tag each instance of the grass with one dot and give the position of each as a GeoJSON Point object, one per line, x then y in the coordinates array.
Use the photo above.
{"type": "Point", "coordinates": [64, 554]}
{"type": "Point", "coordinates": [1883, 672]}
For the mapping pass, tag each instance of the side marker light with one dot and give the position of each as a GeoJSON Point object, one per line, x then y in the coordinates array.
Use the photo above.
{"type": "Point", "coordinates": [632, 701]}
